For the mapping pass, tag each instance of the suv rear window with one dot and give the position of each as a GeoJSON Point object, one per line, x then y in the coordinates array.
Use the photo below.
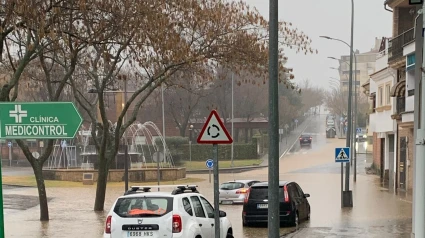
{"type": "Point", "coordinates": [262, 192]}
{"type": "Point", "coordinates": [143, 206]}
{"type": "Point", "coordinates": [231, 186]}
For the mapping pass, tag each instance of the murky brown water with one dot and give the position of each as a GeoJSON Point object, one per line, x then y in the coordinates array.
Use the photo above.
{"type": "Point", "coordinates": [71, 209]}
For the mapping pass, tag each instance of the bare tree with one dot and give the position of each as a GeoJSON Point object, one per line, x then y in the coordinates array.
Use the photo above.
{"type": "Point", "coordinates": [184, 95]}
{"type": "Point", "coordinates": [155, 39]}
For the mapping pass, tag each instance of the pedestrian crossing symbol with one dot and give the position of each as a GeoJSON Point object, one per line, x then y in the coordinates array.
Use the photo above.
{"type": "Point", "coordinates": [342, 154]}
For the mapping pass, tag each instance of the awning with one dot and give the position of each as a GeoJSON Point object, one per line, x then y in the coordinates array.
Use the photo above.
{"type": "Point", "coordinates": [399, 89]}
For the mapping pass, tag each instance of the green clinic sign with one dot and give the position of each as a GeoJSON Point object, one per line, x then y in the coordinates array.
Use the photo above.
{"type": "Point", "coordinates": [39, 120]}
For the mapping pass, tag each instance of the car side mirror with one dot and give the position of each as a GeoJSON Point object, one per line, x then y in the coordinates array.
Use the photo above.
{"type": "Point", "coordinates": [222, 214]}
{"type": "Point", "coordinates": [306, 195]}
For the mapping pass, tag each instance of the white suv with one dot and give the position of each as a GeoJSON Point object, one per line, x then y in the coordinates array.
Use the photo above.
{"type": "Point", "coordinates": [181, 213]}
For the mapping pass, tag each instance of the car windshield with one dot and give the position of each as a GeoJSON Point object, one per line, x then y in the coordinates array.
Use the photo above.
{"type": "Point", "coordinates": [305, 136]}
{"type": "Point", "coordinates": [143, 206]}
{"type": "Point", "coordinates": [231, 186]}
{"type": "Point", "coordinates": [262, 192]}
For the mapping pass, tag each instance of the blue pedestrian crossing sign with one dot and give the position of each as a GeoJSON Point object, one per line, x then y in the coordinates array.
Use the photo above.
{"type": "Point", "coordinates": [342, 154]}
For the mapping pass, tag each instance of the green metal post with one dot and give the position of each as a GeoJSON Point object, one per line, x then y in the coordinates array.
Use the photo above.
{"type": "Point", "coordinates": [1, 205]}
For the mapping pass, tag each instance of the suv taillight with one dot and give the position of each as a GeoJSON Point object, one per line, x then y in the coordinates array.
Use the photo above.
{"type": "Point", "coordinates": [247, 195]}
{"type": "Point", "coordinates": [177, 224]}
{"type": "Point", "coordinates": [108, 225]}
{"type": "Point", "coordinates": [285, 193]}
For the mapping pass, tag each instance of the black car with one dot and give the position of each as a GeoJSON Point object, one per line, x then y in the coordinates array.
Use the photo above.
{"type": "Point", "coordinates": [293, 204]}
{"type": "Point", "coordinates": [305, 139]}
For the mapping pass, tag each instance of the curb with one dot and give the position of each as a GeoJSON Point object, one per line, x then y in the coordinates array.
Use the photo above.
{"type": "Point", "coordinates": [291, 234]}
{"type": "Point", "coordinates": [290, 148]}
{"type": "Point", "coordinates": [227, 170]}
{"type": "Point", "coordinates": [18, 186]}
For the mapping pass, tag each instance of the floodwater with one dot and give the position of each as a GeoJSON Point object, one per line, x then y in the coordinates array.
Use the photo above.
{"type": "Point", "coordinates": [376, 212]}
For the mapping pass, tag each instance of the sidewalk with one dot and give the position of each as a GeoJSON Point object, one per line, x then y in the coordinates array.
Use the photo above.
{"type": "Point", "coordinates": [288, 142]}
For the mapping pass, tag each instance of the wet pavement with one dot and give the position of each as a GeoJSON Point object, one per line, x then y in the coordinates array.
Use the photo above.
{"type": "Point", "coordinates": [376, 212]}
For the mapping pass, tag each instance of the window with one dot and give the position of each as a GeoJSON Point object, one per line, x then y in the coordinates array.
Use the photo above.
{"type": "Point", "coordinates": [387, 94]}
{"type": "Point", "coordinates": [187, 206]}
{"type": "Point", "coordinates": [208, 207]}
{"type": "Point", "coordinates": [231, 186]}
{"type": "Point", "coordinates": [143, 206]}
{"type": "Point", "coordinates": [380, 96]}
{"type": "Point", "coordinates": [300, 191]}
{"type": "Point", "coordinates": [293, 191]}
{"type": "Point", "coordinates": [199, 211]}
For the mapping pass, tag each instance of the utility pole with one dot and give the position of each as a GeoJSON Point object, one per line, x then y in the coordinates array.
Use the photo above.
{"type": "Point", "coordinates": [355, 120]}
{"type": "Point", "coordinates": [347, 194]}
{"type": "Point", "coordinates": [273, 193]}
{"type": "Point", "coordinates": [231, 153]}
{"type": "Point", "coordinates": [418, 48]}
{"type": "Point", "coordinates": [126, 142]}
{"type": "Point", "coordinates": [419, 196]}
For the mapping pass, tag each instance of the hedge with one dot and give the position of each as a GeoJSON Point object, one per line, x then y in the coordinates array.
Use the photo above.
{"type": "Point", "coordinates": [203, 152]}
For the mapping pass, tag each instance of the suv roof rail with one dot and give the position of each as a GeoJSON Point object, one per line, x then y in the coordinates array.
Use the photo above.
{"type": "Point", "coordinates": [136, 189]}
{"type": "Point", "coordinates": [185, 189]}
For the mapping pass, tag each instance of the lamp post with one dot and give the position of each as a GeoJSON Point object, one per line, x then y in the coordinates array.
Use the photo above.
{"type": "Point", "coordinates": [347, 196]}
{"type": "Point", "coordinates": [190, 142]}
{"type": "Point", "coordinates": [354, 128]}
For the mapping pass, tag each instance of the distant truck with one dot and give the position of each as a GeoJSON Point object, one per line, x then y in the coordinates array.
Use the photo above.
{"type": "Point", "coordinates": [330, 131]}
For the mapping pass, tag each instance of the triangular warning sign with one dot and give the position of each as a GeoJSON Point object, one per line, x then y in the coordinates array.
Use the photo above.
{"type": "Point", "coordinates": [214, 131]}
{"type": "Point", "coordinates": [342, 155]}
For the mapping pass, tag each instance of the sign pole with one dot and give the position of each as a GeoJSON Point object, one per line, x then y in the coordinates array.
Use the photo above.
{"type": "Point", "coordinates": [10, 156]}
{"type": "Point", "coordinates": [1, 206]}
{"type": "Point", "coordinates": [342, 185]}
{"type": "Point", "coordinates": [214, 132]}
{"type": "Point", "coordinates": [216, 204]}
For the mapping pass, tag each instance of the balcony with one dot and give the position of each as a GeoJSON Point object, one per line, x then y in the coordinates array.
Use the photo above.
{"type": "Point", "coordinates": [396, 44]}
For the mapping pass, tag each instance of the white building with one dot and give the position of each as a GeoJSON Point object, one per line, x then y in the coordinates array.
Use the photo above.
{"type": "Point", "coordinates": [381, 125]}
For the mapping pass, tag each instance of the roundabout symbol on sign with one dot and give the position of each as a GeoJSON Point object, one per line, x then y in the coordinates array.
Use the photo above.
{"type": "Point", "coordinates": [217, 129]}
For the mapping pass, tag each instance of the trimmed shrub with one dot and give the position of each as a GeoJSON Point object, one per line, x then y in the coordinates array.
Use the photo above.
{"type": "Point", "coordinates": [202, 152]}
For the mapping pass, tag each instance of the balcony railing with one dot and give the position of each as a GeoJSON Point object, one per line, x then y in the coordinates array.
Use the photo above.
{"type": "Point", "coordinates": [396, 44]}
{"type": "Point", "coordinates": [401, 105]}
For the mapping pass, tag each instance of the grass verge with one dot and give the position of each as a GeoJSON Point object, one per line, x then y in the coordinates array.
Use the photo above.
{"type": "Point", "coordinates": [30, 181]}
{"type": "Point", "coordinates": [196, 165]}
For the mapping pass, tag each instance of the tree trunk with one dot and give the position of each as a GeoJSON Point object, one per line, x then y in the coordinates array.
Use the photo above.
{"type": "Point", "coordinates": [42, 195]}
{"type": "Point", "coordinates": [182, 130]}
{"type": "Point", "coordinates": [102, 180]}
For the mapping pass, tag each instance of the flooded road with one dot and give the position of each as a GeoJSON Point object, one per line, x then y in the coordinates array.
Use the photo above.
{"type": "Point", "coordinates": [376, 212]}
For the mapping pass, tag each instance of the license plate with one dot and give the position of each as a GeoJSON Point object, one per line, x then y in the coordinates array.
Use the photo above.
{"type": "Point", "coordinates": [139, 233]}
{"type": "Point", "coordinates": [262, 206]}
{"type": "Point", "coordinates": [227, 202]}
{"type": "Point", "coordinates": [305, 140]}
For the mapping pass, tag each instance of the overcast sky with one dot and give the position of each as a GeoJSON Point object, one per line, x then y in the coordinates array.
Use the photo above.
{"type": "Point", "coordinates": [331, 18]}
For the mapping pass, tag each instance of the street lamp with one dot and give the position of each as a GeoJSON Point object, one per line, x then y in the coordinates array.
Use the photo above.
{"type": "Point", "coordinates": [347, 196]}
{"type": "Point", "coordinates": [354, 128]}
{"type": "Point", "coordinates": [190, 142]}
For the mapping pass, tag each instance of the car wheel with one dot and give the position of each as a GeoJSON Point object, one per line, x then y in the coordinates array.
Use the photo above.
{"type": "Point", "coordinates": [244, 223]}
{"type": "Point", "coordinates": [308, 214]}
{"type": "Point", "coordinates": [295, 220]}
